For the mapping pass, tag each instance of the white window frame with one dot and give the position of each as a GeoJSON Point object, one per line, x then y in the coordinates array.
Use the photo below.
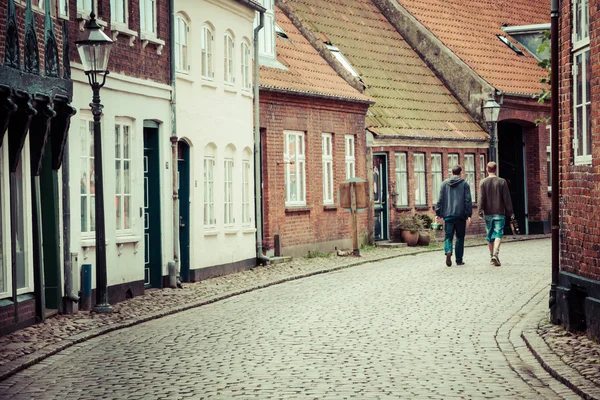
{"type": "Point", "coordinates": [453, 160]}
{"type": "Point", "coordinates": [84, 8]}
{"type": "Point", "coordinates": [5, 256]}
{"type": "Point", "coordinates": [27, 221]}
{"type": "Point", "coordinates": [62, 7]}
{"type": "Point", "coordinates": [580, 35]}
{"type": "Point", "coordinates": [246, 211]}
{"type": "Point", "coordinates": [148, 18]}
{"type": "Point", "coordinates": [295, 163]}
{"type": "Point", "coordinates": [549, 157]}
{"type": "Point", "coordinates": [120, 159]}
{"type": "Point", "coordinates": [86, 140]}
{"type": "Point", "coordinates": [420, 172]}
{"type": "Point", "coordinates": [210, 220]}
{"type": "Point", "coordinates": [350, 159]}
{"type": "Point", "coordinates": [437, 175]}
{"type": "Point", "coordinates": [327, 159]}
{"type": "Point", "coordinates": [582, 106]}
{"type": "Point", "coordinates": [266, 39]}
{"type": "Point", "coordinates": [246, 63]}
{"type": "Point", "coordinates": [182, 56]}
{"type": "Point", "coordinates": [119, 12]}
{"type": "Point", "coordinates": [207, 49]}
{"type": "Point", "coordinates": [342, 60]}
{"type": "Point", "coordinates": [228, 210]}
{"type": "Point", "coordinates": [229, 59]}
{"type": "Point", "coordinates": [401, 180]}
{"type": "Point", "coordinates": [470, 173]}
{"type": "Point", "coordinates": [482, 166]}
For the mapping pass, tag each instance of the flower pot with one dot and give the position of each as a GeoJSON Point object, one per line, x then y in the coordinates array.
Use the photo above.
{"type": "Point", "coordinates": [410, 238]}
{"type": "Point", "coordinates": [424, 239]}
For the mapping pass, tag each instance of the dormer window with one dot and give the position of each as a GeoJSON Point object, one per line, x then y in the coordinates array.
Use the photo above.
{"type": "Point", "coordinates": [340, 57]}
{"type": "Point", "coordinates": [266, 39]}
{"type": "Point", "coordinates": [507, 42]}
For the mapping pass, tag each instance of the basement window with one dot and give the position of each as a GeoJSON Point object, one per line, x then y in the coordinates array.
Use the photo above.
{"type": "Point", "coordinates": [340, 57]}
{"type": "Point", "coordinates": [507, 42]}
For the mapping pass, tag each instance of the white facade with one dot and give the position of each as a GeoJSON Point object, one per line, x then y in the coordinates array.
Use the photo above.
{"type": "Point", "coordinates": [128, 104]}
{"type": "Point", "coordinates": [215, 118]}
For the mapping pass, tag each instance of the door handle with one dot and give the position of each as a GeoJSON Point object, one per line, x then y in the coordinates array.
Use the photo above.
{"type": "Point", "coordinates": [181, 224]}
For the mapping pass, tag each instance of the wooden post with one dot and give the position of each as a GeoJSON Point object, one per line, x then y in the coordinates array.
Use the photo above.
{"type": "Point", "coordinates": [353, 210]}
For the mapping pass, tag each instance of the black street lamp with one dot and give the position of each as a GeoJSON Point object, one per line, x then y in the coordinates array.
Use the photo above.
{"type": "Point", "coordinates": [491, 110]}
{"type": "Point", "coordinates": [93, 51]}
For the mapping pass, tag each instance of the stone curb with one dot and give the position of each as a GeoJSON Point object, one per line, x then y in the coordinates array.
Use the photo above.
{"type": "Point", "coordinates": [553, 364]}
{"type": "Point", "coordinates": [15, 366]}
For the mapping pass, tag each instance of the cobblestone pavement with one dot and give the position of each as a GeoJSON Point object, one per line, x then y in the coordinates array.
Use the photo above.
{"type": "Point", "coordinates": [405, 327]}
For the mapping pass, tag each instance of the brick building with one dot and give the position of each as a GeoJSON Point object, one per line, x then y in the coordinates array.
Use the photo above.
{"type": "Point", "coordinates": [313, 138]}
{"type": "Point", "coordinates": [578, 291]}
{"type": "Point", "coordinates": [35, 93]}
{"type": "Point", "coordinates": [136, 131]}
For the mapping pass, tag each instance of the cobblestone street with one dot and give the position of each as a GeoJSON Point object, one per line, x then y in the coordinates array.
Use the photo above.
{"type": "Point", "coordinates": [403, 328]}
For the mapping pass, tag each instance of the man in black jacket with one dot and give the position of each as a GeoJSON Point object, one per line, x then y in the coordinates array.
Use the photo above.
{"type": "Point", "coordinates": [455, 207]}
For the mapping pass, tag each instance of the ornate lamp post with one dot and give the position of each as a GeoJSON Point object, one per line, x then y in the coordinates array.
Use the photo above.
{"type": "Point", "coordinates": [491, 110]}
{"type": "Point", "coordinates": [94, 50]}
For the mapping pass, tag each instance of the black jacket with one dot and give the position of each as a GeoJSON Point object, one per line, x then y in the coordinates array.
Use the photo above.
{"type": "Point", "coordinates": [454, 200]}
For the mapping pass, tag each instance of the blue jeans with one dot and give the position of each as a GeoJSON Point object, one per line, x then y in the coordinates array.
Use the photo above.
{"type": "Point", "coordinates": [459, 226]}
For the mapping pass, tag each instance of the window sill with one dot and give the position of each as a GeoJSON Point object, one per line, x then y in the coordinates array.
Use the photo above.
{"type": "Point", "coordinates": [248, 230]}
{"type": "Point", "coordinates": [88, 242]}
{"type": "Point", "coordinates": [149, 38]}
{"type": "Point", "coordinates": [247, 93]}
{"type": "Point", "coordinates": [422, 208]}
{"type": "Point", "coordinates": [229, 89]}
{"type": "Point", "coordinates": [208, 83]}
{"type": "Point", "coordinates": [403, 208]}
{"type": "Point", "coordinates": [117, 29]}
{"type": "Point", "coordinates": [330, 207]}
{"type": "Point", "coordinates": [297, 209]}
{"type": "Point", "coordinates": [231, 231]}
{"type": "Point", "coordinates": [127, 239]}
{"type": "Point", "coordinates": [184, 76]}
{"type": "Point", "coordinates": [84, 16]}
{"type": "Point", "coordinates": [211, 232]}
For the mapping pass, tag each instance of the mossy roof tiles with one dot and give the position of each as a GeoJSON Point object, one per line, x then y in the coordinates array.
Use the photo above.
{"type": "Point", "coordinates": [410, 100]}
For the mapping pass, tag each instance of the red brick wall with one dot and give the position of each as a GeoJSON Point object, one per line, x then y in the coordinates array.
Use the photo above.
{"type": "Point", "coordinates": [133, 61]}
{"type": "Point", "coordinates": [26, 312]}
{"type": "Point", "coordinates": [313, 116]}
{"type": "Point", "coordinates": [580, 184]}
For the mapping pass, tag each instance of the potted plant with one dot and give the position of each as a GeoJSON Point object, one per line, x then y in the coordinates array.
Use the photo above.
{"type": "Point", "coordinates": [424, 236]}
{"type": "Point", "coordinates": [409, 229]}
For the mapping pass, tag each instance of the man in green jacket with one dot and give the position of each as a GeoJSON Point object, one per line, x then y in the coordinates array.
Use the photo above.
{"type": "Point", "coordinates": [494, 203]}
{"type": "Point", "coordinates": [455, 206]}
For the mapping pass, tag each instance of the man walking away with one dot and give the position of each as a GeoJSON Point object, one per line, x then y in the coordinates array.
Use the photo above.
{"type": "Point", "coordinates": [455, 207]}
{"type": "Point", "coordinates": [494, 203]}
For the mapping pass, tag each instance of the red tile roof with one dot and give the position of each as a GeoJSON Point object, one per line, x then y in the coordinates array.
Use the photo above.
{"type": "Point", "coordinates": [469, 28]}
{"type": "Point", "coordinates": [307, 72]}
{"type": "Point", "coordinates": [410, 100]}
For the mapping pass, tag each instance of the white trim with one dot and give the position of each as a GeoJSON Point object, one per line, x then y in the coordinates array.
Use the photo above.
{"type": "Point", "coordinates": [471, 156]}
{"type": "Point", "coordinates": [402, 177]}
{"type": "Point", "coordinates": [297, 162]}
{"type": "Point", "coordinates": [420, 174]}
{"type": "Point", "coordinates": [327, 164]}
{"type": "Point", "coordinates": [581, 106]}
{"type": "Point", "coordinates": [5, 256]}
{"type": "Point", "coordinates": [437, 176]}
{"type": "Point", "coordinates": [27, 223]}
{"type": "Point", "coordinates": [350, 156]}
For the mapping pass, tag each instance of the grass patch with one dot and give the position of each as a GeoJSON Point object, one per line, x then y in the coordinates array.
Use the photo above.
{"type": "Point", "coordinates": [317, 254]}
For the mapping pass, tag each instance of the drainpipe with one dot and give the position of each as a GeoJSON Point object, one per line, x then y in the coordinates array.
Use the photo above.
{"type": "Point", "coordinates": [257, 150]}
{"type": "Point", "coordinates": [174, 267]}
{"type": "Point", "coordinates": [554, 15]}
{"type": "Point", "coordinates": [68, 262]}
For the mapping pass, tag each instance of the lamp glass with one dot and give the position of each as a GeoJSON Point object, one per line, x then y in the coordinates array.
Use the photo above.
{"type": "Point", "coordinates": [491, 110]}
{"type": "Point", "coordinates": [94, 50]}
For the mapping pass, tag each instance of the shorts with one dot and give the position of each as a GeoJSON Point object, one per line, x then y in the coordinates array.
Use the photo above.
{"type": "Point", "coordinates": [494, 225]}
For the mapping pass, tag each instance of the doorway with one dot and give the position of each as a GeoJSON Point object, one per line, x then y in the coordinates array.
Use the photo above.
{"type": "Point", "coordinates": [152, 236]}
{"type": "Point", "coordinates": [183, 165]}
{"type": "Point", "coordinates": [380, 196]}
{"type": "Point", "coordinates": [511, 144]}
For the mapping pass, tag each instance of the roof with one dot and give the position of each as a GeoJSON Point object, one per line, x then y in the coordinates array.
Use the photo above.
{"type": "Point", "coordinates": [255, 5]}
{"type": "Point", "coordinates": [410, 100]}
{"type": "Point", "coordinates": [469, 28]}
{"type": "Point", "coordinates": [306, 71]}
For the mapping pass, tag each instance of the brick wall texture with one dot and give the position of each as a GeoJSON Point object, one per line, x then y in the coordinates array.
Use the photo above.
{"type": "Point", "coordinates": [26, 312]}
{"type": "Point", "coordinates": [579, 184]}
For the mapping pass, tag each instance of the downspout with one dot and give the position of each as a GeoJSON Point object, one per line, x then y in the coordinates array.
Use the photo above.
{"type": "Point", "coordinates": [174, 165]}
{"type": "Point", "coordinates": [257, 150]}
{"type": "Point", "coordinates": [68, 262]}
{"type": "Point", "coordinates": [554, 15]}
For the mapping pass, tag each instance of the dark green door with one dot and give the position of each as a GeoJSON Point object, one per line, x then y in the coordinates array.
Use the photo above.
{"type": "Point", "coordinates": [380, 196]}
{"type": "Point", "coordinates": [152, 236]}
{"type": "Point", "coordinates": [510, 166]}
{"type": "Point", "coordinates": [183, 152]}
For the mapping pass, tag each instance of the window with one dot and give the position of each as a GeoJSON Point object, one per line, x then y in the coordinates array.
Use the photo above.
{"type": "Point", "coordinates": [228, 49]}
{"type": "Point", "coordinates": [582, 102]}
{"type": "Point", "coordinates": [209, 193]}
{"type": "Point", "coordinates": [470, 173]}
{"type": "Point", "coordinates": [181, 44]}
{"type": "Point", "coordinates": [87, 191]}
{"type": "Point", "coordinates": [84, 7]}
{"type": "Point", "coordinates": [437, 175]}
{"type": "Point", "coordinates": [246, 63]}
{"type": "Point", "coordinates": [4, 279]}
{"type": "Point", "coordinates": [119, 11]}
{"type": "Point", "coordinates": [294, 161]}
{"type": "Point", "coordinates": [581, 23]}
{"type": "Point", "coordinates": [401, 180]}
{"type": "Point", "coordinates": [123, 176]}
{"type": "Point", "coordinates": [148, 16]}
{"type": "Point", "coordinates": [482, 166]}
{"type": "Point", "coordinates": [266, 38]}
{"type": "Point", "coordinates": [22, 228]}
{"type": "Point", "coordinates": [327, 152]}
{"type": "Point", "coordinates": [452, 162]}
{"type": "Point", "coordinates": [549, 157]}
{"type": "Point", "coordinates": [63, 8]}
{"type": "Point", "coordinates": [340, 57]}
{"type": "Point", "coordinates": [228, 218]}
{"type": "Point", "coordinates": [420, 188]}
{"type": "Point", "coordinates": [246, 171]}
{"type": "Point", "coordinates": [350, 158]}
{"type": "Point", "coordinates": [207, 53]}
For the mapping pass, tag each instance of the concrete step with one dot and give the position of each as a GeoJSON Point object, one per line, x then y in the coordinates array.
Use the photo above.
{"type": "Point", "coordinates": [280, 260]}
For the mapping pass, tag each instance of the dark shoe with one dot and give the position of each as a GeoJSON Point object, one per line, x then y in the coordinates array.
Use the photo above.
{"type": "Point", "coordinates": [449, 259]}
{"type": "Point", "coordinates": [461, 262]}
{"type": "Point", "coordinates": [496, 261]}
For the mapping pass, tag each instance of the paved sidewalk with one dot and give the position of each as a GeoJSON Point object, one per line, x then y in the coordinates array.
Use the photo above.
{"type": "Point", "coordinates": [570, 358]}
